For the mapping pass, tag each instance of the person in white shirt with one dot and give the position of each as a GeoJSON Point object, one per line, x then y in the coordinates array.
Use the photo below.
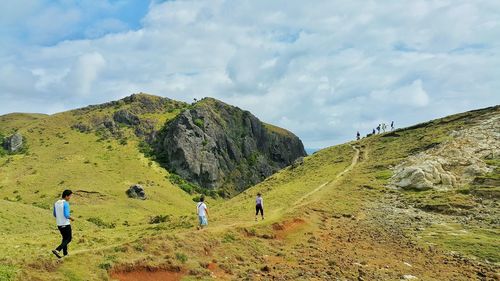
{"type": "Point", "coordinates": [202, 212]}
{"type": "Point", "coordinates": [62, 214]}
{"type": "Point", "coordinates": [259, 206]}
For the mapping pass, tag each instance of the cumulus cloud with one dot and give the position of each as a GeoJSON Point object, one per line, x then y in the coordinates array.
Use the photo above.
{"type": "Point", "coordinates": [84, 73]}
{"type": "Point", "coordinates": [323, 69]}
{"type": "Point", "coordinates": [408, 95]}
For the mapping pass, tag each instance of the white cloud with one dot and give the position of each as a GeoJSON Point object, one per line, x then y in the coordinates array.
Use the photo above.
{"type": "Point", "coordinates": [408, 95]}
{"type": "Point", "coordinates": [323, 69]}
{"type": "Point", "coordinates": [85, 72]}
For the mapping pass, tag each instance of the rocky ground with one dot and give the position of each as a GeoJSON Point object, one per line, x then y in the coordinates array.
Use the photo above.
{"type": "Point", "coordinates": [453, 163]}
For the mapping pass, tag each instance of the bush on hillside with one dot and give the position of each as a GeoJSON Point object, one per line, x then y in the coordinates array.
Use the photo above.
{"type": "Point", "coordinates": [189, 187]}
{"type": "Point", "coordinates": [159, 219]}
{"type": "Point", "coordinates": [146, 149]}
{"type": "Point", "coordinates": [100, 223]}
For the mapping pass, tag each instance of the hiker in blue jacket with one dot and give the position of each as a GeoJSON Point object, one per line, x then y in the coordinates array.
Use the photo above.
{"type": "Point", "coordinates": [63, 218]}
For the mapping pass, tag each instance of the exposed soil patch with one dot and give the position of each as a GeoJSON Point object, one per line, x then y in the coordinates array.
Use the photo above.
{"type": "Point", "coordinates": [216, 271]}
{"type": "Point", "coordinates": [85, 196]}
{"type": "Point", "coordinates": [144, 275]}
{"type": "Point", "coordinates": [281, 230]}
{"type": "Point", "coordinates": [147, 273]}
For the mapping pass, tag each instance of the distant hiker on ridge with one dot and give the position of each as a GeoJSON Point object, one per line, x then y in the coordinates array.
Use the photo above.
{"type": "Point", "coordinates": [384, 127]}
{"type": "Point", "coordinates": [373, 132]}
{"type": "Point", "coordinates": [202, 211]}
{"type": "Point", "coordinates": [358, 136]}
{"type": "Point", "coordinates": [392, 125]}
{"type": "Point", "coordinates": [378, 129]}
{"type": "Point", "coordinates": [259, 206]}
{"type": "Point", "coordinates": [63, 218]}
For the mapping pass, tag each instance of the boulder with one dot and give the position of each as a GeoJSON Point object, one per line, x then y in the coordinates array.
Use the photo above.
{"type": "Point", "coordinates": [13, 143]}
{"type": "Point", "coordinates": [136, 191]}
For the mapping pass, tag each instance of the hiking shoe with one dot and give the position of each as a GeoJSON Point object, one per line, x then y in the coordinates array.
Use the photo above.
{"type": "Point", "coordinates": [56, 254]}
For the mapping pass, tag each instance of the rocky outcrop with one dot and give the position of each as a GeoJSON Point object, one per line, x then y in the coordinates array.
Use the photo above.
{"type": "Point", "coordinates": [126, 117]}
{"type": "Point", "coordinates": [13, 143]}
{"type": "Point", "coordinates": [136, 191]}
{"type": "Point", "coordinates": [139, 112]}
{"type": "Point", "coordinates": [455, 162]}
{"type": "Point", "coordinates": [217, 145]}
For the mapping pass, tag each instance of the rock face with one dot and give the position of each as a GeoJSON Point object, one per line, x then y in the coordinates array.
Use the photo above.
{"type": "Point", "coordinates": [136, 191]}
{"type": "Point", "coordinates": [126, 117]}
{"type": "Point", "coordinates": [217, 145]}
{"type": "Point", "coordinates": [13, 143]}
{"type": "Point", "coordinates": [454, 162]}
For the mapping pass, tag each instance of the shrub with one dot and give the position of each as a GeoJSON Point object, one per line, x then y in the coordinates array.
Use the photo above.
{"type": "Point", "coordinates": [105, 266]}
{"type": "Point", "coordinates": [189, 187]}
{"type": "Point", "coordinates": [2, 151]}
{"type": "Point", "coordinates": [199, 122]}
{"type": "Point", "coordinates": [7, 272]}
{"type": "Point", "coordinates": [228, 238]}
{"type": "Point", "coordinates": [100, 223]}
{"type": "Point", "coordinates": [145, 149]}
{"type": "Point", "coordinates": [181, 257]}
{"type": "Point", "coordinates": [159, 219]}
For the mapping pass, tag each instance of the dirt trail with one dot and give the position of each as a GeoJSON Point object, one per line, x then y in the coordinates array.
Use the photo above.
{"type": "Point", "coordinates": [222, 227]}
{"type": "Point", "coordinates": [355, 159]}
{"type": "Point", "coordinates": [299, 202]}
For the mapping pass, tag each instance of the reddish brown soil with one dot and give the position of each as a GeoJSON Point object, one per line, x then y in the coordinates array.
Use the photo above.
{"type": "Point", "coordinates": [282, 229]}
{"type": "Point", "coordinates": [145, 275]}
{"type": "Point", "coordinates": [217, 272]}
{"type": "Point", "coordinates": [139, 272]}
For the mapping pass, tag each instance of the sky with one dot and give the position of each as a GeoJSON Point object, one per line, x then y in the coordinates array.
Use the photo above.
{"type": "Point", "coordinates": [321, 69]}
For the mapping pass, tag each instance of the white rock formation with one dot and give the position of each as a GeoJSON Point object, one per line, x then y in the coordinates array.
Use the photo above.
{"type": "Point", "coordinates": [454, 162]}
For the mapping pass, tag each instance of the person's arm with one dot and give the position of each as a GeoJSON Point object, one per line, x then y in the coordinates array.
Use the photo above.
{"type": "Point", "coordinates": [54, 211]}
{"type": "Point", "coordinates": [206, 211]}
{"type": "Point", "coordinates": [67, 211]}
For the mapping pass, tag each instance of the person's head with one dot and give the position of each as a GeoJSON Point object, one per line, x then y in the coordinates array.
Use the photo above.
{"type": "Point", "coordinates": [66, 195]}
{"type": "Point", "coordinates": [259, 195]}
{"type": "Point", "coordinates": [202, 198]}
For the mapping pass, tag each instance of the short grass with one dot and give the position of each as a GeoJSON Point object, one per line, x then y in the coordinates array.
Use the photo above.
{"type": "Point", "coordinates": [98, 170]}
{"type": "Point", "coordinates": [481, 243]}
{"type": "Point", "coordinates": [112, 230]}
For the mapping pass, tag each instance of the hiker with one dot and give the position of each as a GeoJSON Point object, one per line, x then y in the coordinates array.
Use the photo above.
{"type": "Point", "coordinates": [373, 132]}
{"type": "Point", "coordinates": [378, 129]}
{"type": "Point", "coordinates": [202, 211]}
{"type": "Point", "coordinates": [63, 218]}
{"type": "Point", "coordinates": [358, 136]}
{"type": "Point", "coordinates": [259, 206]}
{"type": "Point", "coordinates": [392, 125]}
{"type": "Point", "coordinates": [384, 127]}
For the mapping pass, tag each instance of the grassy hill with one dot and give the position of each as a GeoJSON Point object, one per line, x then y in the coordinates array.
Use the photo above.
{"type": "Point", "coordinates": [333, 216]}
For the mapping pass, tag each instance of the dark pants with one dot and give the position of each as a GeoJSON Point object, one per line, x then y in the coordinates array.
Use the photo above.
{"type": "Point", "coordinates": [258, 208]}
{"type": "Point", "coordinates": [66, 238]}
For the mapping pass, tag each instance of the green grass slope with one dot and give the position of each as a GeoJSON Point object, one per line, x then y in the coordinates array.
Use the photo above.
{"type": "Point", "coordinates": [332, 216]}
{"type": "Point", "coordinates": [98, 169]}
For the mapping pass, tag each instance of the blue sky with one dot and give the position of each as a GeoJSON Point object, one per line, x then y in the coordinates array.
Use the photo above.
{"type": "Point", "coordinates": [322, 69]}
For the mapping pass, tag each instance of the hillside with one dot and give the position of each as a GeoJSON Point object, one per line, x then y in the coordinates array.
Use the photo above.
{"type": "Point", "coordinates": [343, 213]}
